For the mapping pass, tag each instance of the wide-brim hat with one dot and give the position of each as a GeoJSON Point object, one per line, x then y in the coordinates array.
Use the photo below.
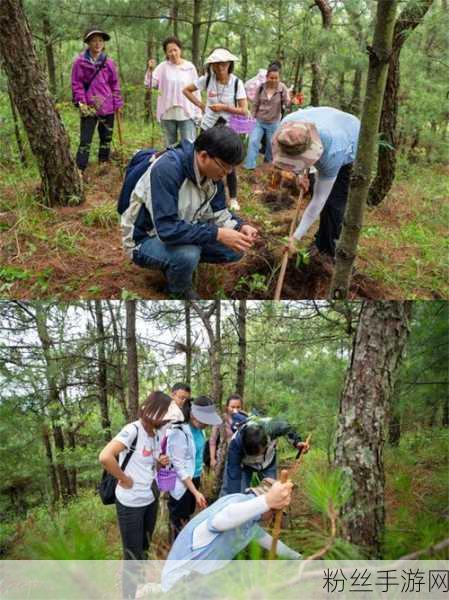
{"type": "Point", "coordinates": [95, 31]}
{"type": "Point", "coordinates": [296, 146]}
{"type": "Point", "coordinates": [220, 55]}
{"type": "Point", "coordinates": [206, 414]}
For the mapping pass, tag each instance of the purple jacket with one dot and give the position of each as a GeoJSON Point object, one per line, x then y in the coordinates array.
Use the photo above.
{"type": "Point", "coordinates": [104, 92]}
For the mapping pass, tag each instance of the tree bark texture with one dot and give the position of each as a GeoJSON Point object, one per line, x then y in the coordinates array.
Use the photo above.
{"type": "Point", "coordinates": [61, 183]}
{"type": "Point", "coordinates": [102, 380]}
{"type": "Point", "coordinates": [326, 12]}
{"type": "Point", "coordinates": [363, 418]}
{"type": "Point", "coordinates": [315, 90]}
{"type": "Point", "coordinates": [51, 465]}
{"type": "Point", "coordinates": [408, 20]}
{"type": "Point", "coordinates": [119, 368]}
{"type": "Point", "coordinates": [50, 55]}
{"type": "Point", "coordinates": [17, 134]}
{"type": "Point", "coordinates": [379, 56]}
{"type": "Point", "coordinates": [188, 326]}
{"type": "Point", "coordinates": [131, 353]}
{"type": "Point", "coordinates": [241, 362]}
{"type": "Point", "coordinates": [196, 30]}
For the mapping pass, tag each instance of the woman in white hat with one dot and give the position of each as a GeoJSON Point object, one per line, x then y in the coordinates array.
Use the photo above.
{"type": "Point", "coordinates": [225, 96]}
{"type": "Point", "coordinates": [185, 449]}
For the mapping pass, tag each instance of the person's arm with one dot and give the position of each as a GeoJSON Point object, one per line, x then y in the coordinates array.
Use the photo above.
{"type": "Point", "coordinates": [277, 427]}
{"type": "Point", "coordinates": [151, 75]}
{"type": "Point", "coordinates": [233, 468]}
{"type": "Point", "coordinates": [223, 217]}
{"type": "Point", "coordinates": [78, 91]}
{"type": "Point", "coordinates": [240, 109]}
{"type": "Point", "coordinates": [213, 441]}
{"type": "Point", "coordinates": [108, 458]}
{"type": "Point", "coordinates": [264, 540]}
{"type": "Point", "coordinates": [237, 513]}
{"type": "Point", "coordinates": [176, 449]}
{"type": "Point", "coordinates": [322, 189]}
{"type": "Point", "coordinates": [188, 93]}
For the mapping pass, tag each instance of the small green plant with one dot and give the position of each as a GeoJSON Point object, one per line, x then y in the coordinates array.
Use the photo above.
{"type": "Point", "coordinates": [128, 295]}
{"type": "Point", "coordinates": [256, 283]}
{"type": "Point", "coordinates": [103, 215]}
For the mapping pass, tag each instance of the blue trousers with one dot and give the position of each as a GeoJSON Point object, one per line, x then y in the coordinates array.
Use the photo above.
{"type": "Point", "coordinates": [178, 262]}
{"type": "Point", "coordinates": [254, 143]}
{"type": "Point", "coordinates": [186, 130]}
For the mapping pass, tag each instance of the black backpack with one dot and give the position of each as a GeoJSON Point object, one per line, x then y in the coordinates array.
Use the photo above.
{"type": "Point", "coordinates": [108, 483]}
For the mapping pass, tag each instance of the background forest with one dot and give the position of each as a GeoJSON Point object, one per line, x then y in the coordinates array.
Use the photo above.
{"type": "Point", "coordinates": [72, 375]}
{"type": "Point", "coordinates": [322, 46]}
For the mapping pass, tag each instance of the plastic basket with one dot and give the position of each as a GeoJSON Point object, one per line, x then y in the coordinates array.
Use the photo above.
{"type": "Point", "coordinates": [166, 479]}
{"type": "Point", "coordinates": [242, 124]}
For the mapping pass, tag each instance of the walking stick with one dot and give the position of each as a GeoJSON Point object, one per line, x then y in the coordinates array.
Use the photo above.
{"type": "Point", "coordinates": [280, 283]}
{"type": "Point", "coordinates": [277, 522]}
{"type": "Point", "coordinates": [119, 129]}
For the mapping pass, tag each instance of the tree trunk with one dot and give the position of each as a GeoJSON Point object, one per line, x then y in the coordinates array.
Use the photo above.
{"type": "Point", "coordinates": [20, 146]}
{"type": "Point", "coordinates": [364, 407]}
{"type": "Point", "coordinates": [63, 475]}
{"type": "Point", "coordinates": [48, 139]}
{"type": "Point", "coordinates": [326, 12]}
{"type": "Point", "coordinates": [410, 17]}
{"type": "Point", "coordinates": [341, 91]}
{"type": "Point", "coordinates": [148, 112]}
{"type": "Point", "coordinates": [354, 106]}
{"type": "Point", "coordinates": [214, 349]}
{"type": "Point", "coordinates": [241, 362]}
{"type": "Point", "coordinates": [102, 383]}
{"type": "Point", "coordinates": [72, 470]}
{"type": "Point", "coordinates": [299, 68]}
{"type": "Point", "coordinates": [51, 465]}
{"type": "Point", "coordinates": [379, 56]}
{"type": "Point", "coordinates": [174, 16]}
{"type": "Point", "coordinates": [119, 369]}
{"type": "Point", "coordinates": [445, 420]}
{"type": "Point", "coordinates": [315, 90]}
{"type": "Point", "coordinates": [49, 53]}
{"type": "Point", "coordinates": [208, 28]}
{"type": "Point", "coordinates": [196, 29]}
{"type": "Point", "coordinates": [188, 376]}
{"type": "Point", "coordinates": [131, 353]}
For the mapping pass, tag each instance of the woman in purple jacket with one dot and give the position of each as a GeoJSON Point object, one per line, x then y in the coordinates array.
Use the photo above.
{"type": "Point", "coordinates": [96, 91]}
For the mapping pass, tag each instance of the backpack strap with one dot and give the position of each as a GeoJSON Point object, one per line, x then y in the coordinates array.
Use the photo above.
{"type": "Point", "coordinates": [130, 451]}
{"type": "Point", "coordinates": [236, 85]}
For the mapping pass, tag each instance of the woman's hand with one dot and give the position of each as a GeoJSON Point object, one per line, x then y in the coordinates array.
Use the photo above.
{"type": "Point", "coordinates": [151, 64]}
{"type": "Point", "coordinates": [219, 107]}
{"type": "Point", "coordinates": [303, 446]}
{"type": "Point", "coordinates": [126, 482]}
{"type": "Point", "coordinates": [200, 500]}
{"type": "Point", "coordinates": [163, 460]}
{"type": "Point", "coordinates": [213, 463]}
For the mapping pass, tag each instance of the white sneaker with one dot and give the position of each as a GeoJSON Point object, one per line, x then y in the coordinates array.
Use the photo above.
{"type": "Point", "coordinates": [233, 204]}
{"type": "Point", "coordinates": [148, 589]}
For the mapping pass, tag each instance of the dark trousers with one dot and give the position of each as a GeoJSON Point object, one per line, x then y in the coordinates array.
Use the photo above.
{"type": "Point", "coordinates": [181, 510]}
{"type": "Point", "coordinates": [331, 218]}
{"type": "Point", "coordinates": [87, 129]}
{"type": "Point", "coordinates": [136, 528]}
{"type": "Point", "coordinates": [231, 182]}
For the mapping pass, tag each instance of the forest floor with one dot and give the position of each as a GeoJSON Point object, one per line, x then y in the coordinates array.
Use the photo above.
{"type": "Point", "coordinates": [76, 252]}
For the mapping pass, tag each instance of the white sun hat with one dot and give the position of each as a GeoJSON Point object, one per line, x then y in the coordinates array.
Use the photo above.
{"type": "Point", "coordinates": [220, 55]}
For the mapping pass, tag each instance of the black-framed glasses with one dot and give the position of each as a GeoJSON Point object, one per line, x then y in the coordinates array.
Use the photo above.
{"type": "Point", "coordinates": [224, 167]}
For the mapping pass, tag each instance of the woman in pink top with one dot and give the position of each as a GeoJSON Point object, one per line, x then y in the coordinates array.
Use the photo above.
{"type": "Point", "coordinates": [175, 113]}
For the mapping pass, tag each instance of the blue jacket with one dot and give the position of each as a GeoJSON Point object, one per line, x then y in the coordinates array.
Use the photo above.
{"type": "Point", "coordinates": [171, 201]}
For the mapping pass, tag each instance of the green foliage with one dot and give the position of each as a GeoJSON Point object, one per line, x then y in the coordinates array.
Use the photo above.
{"type": "Point", "coordinates": [77, 531]}
{"type": "Point", "coordinates": [104, 215]}
{"type": "Point", "coordinates": [327, 490]}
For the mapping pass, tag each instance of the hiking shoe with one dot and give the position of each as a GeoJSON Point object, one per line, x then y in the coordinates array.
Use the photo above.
{"type": "Point", "coordinates": [233, 204]}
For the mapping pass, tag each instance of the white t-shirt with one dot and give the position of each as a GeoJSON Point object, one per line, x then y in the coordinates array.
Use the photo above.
{"type": "Point", "coordinates": [219, 93]}
{"type": "Point", "coordinates": [141, 466]}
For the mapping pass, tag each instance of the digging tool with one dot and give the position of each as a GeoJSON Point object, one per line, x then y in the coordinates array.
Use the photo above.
{"type": "Point", "coordinates": [278, 516]}
{"type": "Point", "coordinates": [280, 283]}
{"type": "Point", "coordinates": [277, 522]}
{"type": "Point", "coordinates": [119, 130]}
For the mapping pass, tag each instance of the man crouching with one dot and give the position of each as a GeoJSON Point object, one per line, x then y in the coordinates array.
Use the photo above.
{"type": "Point", "coordinates": [177, 215]}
